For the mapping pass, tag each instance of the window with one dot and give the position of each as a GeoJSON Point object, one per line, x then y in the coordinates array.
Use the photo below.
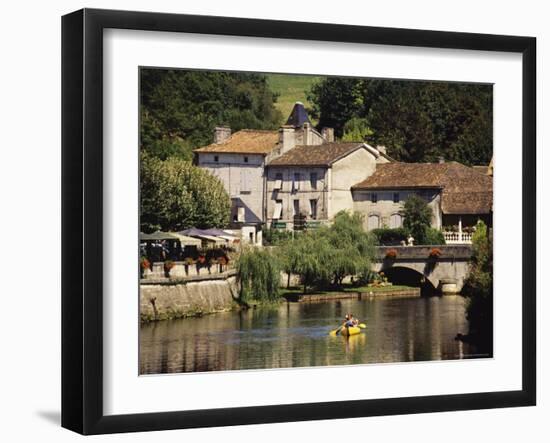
{"type": "Point", "coordinates": [295, 207]}
{"type": "Point", "coordinates": [313, 209]}
{"type": "Point", "coordinates": [396, 221]}
{"type": "Point", "coordinates": [313, 180]}
{"type": "Point", "coordinates": [396, 197]}
{"type": "Point", "coordinates": [278, 209]}
{"type": "Point", "coordinates": [278, 181]}
{"type": "Point", "coordinates": [373, 222]}
{"type": "Point", "coordinates": [216, 158]}
{"type": "Point", "coordinates": [374, 197]}
{"type": "Point", "coordinates": [296, 182]}
{"type": "Point", "coordinates": [245, 182]}
{"type": "Point", "coordinates": [240, 214]}
{"type": "Point", "coordinates": [246, 159]}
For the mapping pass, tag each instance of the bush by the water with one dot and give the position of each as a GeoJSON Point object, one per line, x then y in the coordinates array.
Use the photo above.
{"type": "Point", "coordinates": [478, 286]}
{"type": "Point", "coordinates": [259, 274]}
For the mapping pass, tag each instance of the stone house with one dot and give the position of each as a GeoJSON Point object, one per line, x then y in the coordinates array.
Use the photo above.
{"type": "Point", "coordinates": [459, 196]}
{"type": "Point", "coordinates": [240, 159]}
{"type": "Point", "coordinates": [297, 174]}
{"type": "Point", "coordinates": [314, 182]}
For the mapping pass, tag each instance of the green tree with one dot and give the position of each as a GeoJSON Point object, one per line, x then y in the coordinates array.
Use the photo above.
{"type": "Point", "coordinates": [179, 109]}
{"type": "Point", "coordinates": [350, 249]}
{"type": "Point", "coordinates": [416, 121]}
{"type": "Point", "coordinates": [176, 195]}
{"type": "Point", "coordinates": [329, 254]}
{"type": "Point", "coordinates": [417, 217]}
{"type": "Point", "coordinates": [259, 274]}
{"type": "Point", "coordinates": [478, 286]}
{"type": "Point", "coordinates": [356, 129]}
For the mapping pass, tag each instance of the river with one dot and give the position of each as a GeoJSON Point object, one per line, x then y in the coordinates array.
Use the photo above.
{"type": "Point", "coordinates": [297, 335]}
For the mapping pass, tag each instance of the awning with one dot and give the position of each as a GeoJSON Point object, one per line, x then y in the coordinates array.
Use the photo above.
{"type": "Point", "coordinates": [186, 240]}
{"type": "Point", "coordinates": [157, 236]}
{"type": "Point", "coordinates": [216, 240]}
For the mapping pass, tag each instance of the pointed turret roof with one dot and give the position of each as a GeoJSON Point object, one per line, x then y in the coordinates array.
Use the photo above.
{"type": "Point", "coordinates": [298, 116]}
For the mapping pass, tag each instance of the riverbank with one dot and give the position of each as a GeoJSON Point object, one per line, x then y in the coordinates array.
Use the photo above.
{"type": "Point", "coordinates": [296, 295]}
{"type": "Point", "coordinates": [198, 295]}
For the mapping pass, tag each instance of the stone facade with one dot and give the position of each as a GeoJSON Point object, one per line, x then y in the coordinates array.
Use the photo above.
{"type": "Point", "coordinates": [242, 176]}
{"type": "Point", "coordinates": [381, 207]}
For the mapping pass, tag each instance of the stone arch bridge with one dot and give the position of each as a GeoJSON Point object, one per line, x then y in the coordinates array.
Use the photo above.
{"type": "Point", "coordinates": [445, 273]}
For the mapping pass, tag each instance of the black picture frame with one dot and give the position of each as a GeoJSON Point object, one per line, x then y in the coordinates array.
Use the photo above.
{"type": "Point", "coordinates": [82, 218]}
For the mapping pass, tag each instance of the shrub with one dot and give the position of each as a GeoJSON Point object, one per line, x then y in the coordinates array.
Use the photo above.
{"type": "Point", "coordinates": [435, 253]}
{"type": "Point", "coordinates": [273, 237]}
{"type": "Point", "coordinates": [417, 218]}
{"type": "Point", "coordinates": [433, 237]}
{"type": "Point", "coordinates": [145, 263]}
{"type": "Point", "coordinates": [390, 237]}
{"type": "Point", "coordinates": [168, 266]}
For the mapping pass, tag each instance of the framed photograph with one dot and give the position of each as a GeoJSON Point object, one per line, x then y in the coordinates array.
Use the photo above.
{"type": "Point", "coordinates": [270, 221]}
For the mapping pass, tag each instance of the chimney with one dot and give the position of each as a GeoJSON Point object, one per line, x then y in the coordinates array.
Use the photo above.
{"type": "Point", "coordinates": [221, 134]}
{"type": "Point", "coordinates": [382, 150]}
{"type": "Point", "coordinates": [441, 159]}
{"type": "Point", "coordinates": [287, 138]}
{"type": "Point", "coordinates": [328, 134]}
{"type": "Point", "coordinates": [307, 134]}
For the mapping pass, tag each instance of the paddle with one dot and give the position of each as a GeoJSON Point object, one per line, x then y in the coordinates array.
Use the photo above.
{"type": "Point", "coordinates": [336, 331]}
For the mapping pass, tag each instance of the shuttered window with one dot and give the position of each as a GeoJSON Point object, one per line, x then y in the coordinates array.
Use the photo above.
{"type": "Point", "coordinates": [278, 209]}
{"type": "Point", "coordinates": [373, 222]}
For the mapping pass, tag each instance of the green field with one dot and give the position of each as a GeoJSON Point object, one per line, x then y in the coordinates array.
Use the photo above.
{"type": "Point", "coordinates": [291, 89]}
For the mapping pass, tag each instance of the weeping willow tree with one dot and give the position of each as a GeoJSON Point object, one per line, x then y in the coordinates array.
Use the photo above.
{"type": "Point", "coordinates": [259, 274]}
{"type": "Point", "coordinates": [327, 256]}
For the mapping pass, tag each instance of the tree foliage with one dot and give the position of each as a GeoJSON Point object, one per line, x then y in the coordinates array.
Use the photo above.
{"type": "Point", "coordinates": [329, 254]}
{"type": "Point", "coordinates": [176, 195]}
{"type": "Point", "coordinates": [416, 121]}
{"type": "Point", "coordinates": [478, 286]}
{"type": "Point", "coordinates": [259, 274]}
{"type": "Point", "coordinates": [179, 109]}
{"type": "Point", "coordinates": [417, 218]}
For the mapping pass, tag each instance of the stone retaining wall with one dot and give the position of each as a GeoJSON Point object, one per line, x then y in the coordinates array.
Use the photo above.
{"type": "Point", "coordinates": [162, 299]}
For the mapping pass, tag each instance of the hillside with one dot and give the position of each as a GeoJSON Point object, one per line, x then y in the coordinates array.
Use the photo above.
{"type": "Point", "coordinates": [291, 88]}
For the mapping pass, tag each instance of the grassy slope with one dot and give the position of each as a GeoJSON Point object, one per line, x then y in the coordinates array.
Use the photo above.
{"type": "Point", "coordinates": [291, 89]}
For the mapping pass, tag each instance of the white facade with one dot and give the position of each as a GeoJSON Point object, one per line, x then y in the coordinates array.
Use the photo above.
{"type": "Point", "coordinates": [242, 176]}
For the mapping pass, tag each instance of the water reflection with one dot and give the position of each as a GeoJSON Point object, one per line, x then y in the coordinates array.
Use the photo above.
{"type": "Point", "coordinates": [296, 335]}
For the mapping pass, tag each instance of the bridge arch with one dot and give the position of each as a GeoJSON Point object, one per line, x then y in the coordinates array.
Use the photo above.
{"type": "Point", "coordinates": [410, 276]}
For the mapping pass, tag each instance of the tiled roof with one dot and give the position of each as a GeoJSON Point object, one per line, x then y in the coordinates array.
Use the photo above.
{"type": "Point", "coordinates": [318, 155]}
{"type": "Point", "coordinates": [481, 169]}
{"type": "Point", "coordinates": [465, 190]}
{"type": "Point", "coordinates": [246, 141]}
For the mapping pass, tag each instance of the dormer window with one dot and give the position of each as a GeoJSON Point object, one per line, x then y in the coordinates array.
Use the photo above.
{"type": "Point", "coordinates": [245, 159]}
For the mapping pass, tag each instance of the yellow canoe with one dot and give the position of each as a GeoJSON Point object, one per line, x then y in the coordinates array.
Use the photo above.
{"type": "Point", "coordinates": [352, 330]}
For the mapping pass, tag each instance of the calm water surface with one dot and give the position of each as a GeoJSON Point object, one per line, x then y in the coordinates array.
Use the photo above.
{"type": "Point", "coordinates": [296, 335]}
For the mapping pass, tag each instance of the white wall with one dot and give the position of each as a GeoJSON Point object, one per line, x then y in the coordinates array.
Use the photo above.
{"type": "Point", "coordinates": [243, 181]}
{"type": "Point", "coordinates": [30, 184]}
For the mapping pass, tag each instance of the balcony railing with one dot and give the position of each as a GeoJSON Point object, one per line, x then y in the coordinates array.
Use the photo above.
{"type": "Point", "coordinates": [457, 238]}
